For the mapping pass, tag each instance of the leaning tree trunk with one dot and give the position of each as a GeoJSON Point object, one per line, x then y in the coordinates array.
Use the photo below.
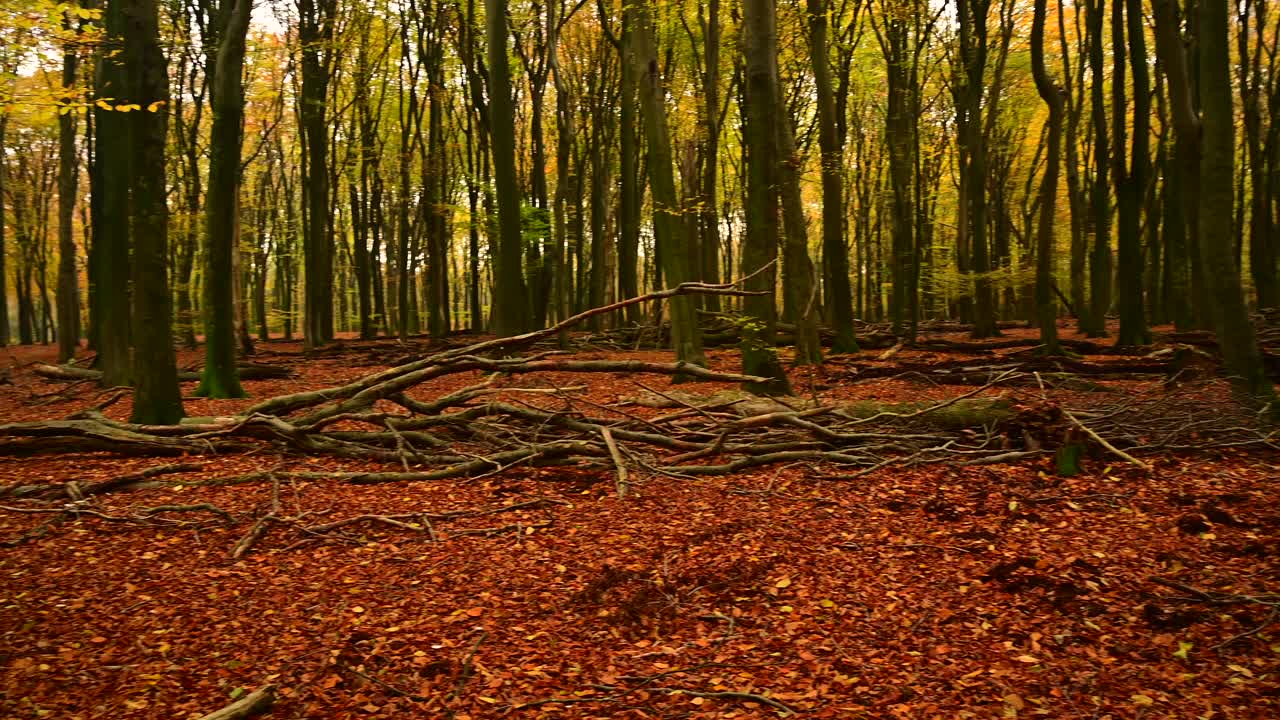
{"type": "Point", "coordinates": [799, 282]}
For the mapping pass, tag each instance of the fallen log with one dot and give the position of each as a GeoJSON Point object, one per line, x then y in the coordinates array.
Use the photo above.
{"type": "Point", "coordinates": [66, 373]}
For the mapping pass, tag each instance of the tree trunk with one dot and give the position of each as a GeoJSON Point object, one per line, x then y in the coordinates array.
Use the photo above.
{"type": "Point", "coordinates": [760, 246]}
{"type": "Point", "coordinates": [511, 316]}
{"type": "Point", "coordinates": [1100, 257]}
{"type": "Point", "coordinates": [157, 398]}
{"type": "Point", "coordinates": [709, 217]}
{"type": "Point", "coordinates": [667, 225]}
{"type": "Point", "coordinates": [222, 217]}
{"type": "Point", "coordinates": [315, 33]}
{"type": "Point", "coordinates": [799, 282]}
{"type": "Point", "coordinates": [835, 254]}
{"type": "Point", "coordinates": [973, 50]}
{"type": "Point", "coordinates": [1046, 311]}
{"type": "Point", "coordinates": [4, 288]}
{"type": "Point", "coordinates": [1217, 167]}
{"type": "Point", "coordinates": [68, 181]}
{"type": "Point", "coordinates": [109, 274]}
{"type": "Point", "coordinates": [629, 187]}
{"type": "Point", "coordinates": [1130, 182]}
{"type": "Point", "coordinates": [1182, 180]}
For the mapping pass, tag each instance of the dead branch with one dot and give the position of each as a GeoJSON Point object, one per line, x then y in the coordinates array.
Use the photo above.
{"type": "Point", "coordinates": [255, 703]}
{"type": "Point", "coordinates": [67, 373]}
{"type": "Point", "coordinates": [617, 461]}
{"type": "Point", "coordinates": [75, 491]}
{"type": "Point", "coordinates": [251, 538]}
{"type": "Point", "coordinates": [1104, 443]}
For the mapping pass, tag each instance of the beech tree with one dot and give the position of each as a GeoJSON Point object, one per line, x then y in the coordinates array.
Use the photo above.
{"type": "Point", "coordinates": [228, 25]}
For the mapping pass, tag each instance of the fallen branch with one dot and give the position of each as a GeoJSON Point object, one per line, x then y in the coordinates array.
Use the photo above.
{"type": "Point", "coordinates": [617, 461]}
{"type": "Point", "coordinates": [1103, 442]}
{"type": "Point", "coordinates": [251, 538]}
{"type": "Point", "coordinates": [75, 491]}
{"type": "Point", "coordinates": [255, 703]}
{"type": "Point", "coordinates": [76, 374]}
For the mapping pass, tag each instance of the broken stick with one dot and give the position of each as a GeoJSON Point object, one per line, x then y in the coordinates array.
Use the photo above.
{"type": "Point", "coordinates": [255, 703]}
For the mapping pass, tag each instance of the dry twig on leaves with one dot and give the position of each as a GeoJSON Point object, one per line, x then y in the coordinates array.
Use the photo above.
{"type": "Point", "coordinates": [255, 703]}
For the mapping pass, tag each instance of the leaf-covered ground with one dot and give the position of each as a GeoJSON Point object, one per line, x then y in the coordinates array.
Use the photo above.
{"type": "Point", "coordinates": [928, 592]}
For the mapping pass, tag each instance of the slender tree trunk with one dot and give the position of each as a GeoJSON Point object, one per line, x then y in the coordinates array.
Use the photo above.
{"type": "Point", "coordinates": [1046, 310]}
{"type": "Point", "coordinates": [1073, 93]}
{"type": "Point", "coordinates": [629, 182]}
{"type": "Point", "coordinates": [799, 281]}
{"type": "Point", "coordinates": [670, 232]}
{"type": "Point", "coordinates": [109, 274]}
{"type": "Point", "coordinates": [68, 182]}
{"type": "Point", "coordinates": [1262, 250]}
{"type": "Point", "coordinates": [315, 33]}
{"type": "Point", "coordinates": [222, 216]}
{"type": "Point", "coordinates": [1130, 182]}
{"type": "Point", "coordinates": [511, 316]}
{"type": "Point", "coordinates": [709, 218]}
{"type": "Point", "coordinates": [361, 207]}
{"type": "Point", "coordinates": [4, 275]}
{"type": "Point", "coordinates": [760, 246]}
{"type": "Point", "coordinates": [835, 253]}
{"type": "Point", "coordinates": [1100, 257]}
{"type": "Point", "coordinates": [895, 47]}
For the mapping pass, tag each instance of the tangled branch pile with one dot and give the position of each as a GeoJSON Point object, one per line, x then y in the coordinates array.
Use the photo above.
{"type": "Point", "coordinates": [494, 425]}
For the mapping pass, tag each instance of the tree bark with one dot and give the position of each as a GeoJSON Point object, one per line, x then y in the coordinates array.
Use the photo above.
{"type": "Point", "coordinates": [1130, 182]}
{"type": "Point", "coordinates": [68, 294]}
{"type": "Point", "coordinates": [511, 316]}
{"type": "Point", "coordinates": [109, 269]}
{"type": "Point", "coordinates": [222, 207]}
{"type": "Point", "coordinates": [667, 225]}
{"type": "Point", "coordinates": [1046, 310]}
{"type": "Point", "coordinates": [1100, 257]}
{"type": "Point", "coordinates": [835, 254]}
{"type": "Point", "coordinates": [1217, 167]}
{"type": "Point", "coordinates": [315, 33]}
{"type": "Point", "coordinates": [760, 246]}
{"type": "Point", "coordinates": [4, 288]}
{"type": "Point", "coordinates": [156, 396]}
{"type": "Point", "coordinates": [629, 186]}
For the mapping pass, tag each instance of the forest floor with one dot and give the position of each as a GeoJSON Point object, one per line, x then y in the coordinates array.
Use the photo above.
{"type": "Point", "coordinates": [931, 591]}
